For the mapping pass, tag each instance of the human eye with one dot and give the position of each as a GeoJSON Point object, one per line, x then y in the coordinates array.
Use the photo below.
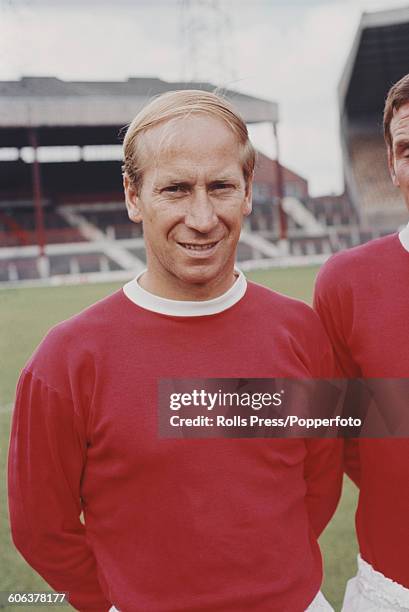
{"type": "Point", "coordinates": [178, 189]}
{"type": "Point", "coordinates": [402, 150]}
{"type": "Point", "coordinates": [220, 186]}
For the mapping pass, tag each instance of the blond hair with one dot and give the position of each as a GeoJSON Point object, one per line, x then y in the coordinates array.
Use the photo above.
{"type": "Point", "coordinates": [181, 104]}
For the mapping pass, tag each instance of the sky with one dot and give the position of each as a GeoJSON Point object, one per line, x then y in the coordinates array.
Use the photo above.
{"type": "Point", "coordinates": [290, 51]}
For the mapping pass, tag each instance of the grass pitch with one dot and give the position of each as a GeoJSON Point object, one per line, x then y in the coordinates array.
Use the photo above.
{"type": "Point", "coordinates": [27, 314]}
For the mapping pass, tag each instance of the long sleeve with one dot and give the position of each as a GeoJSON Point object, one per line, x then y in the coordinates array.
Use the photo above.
{"type": "Point", "coordinates": [337, 319]}
{"type": "Point", "coordinates": [323, 476]}
{"type": "Point", "coordinates": [324, 456]}
{"type": "Point", "coordinates": [46, 460]}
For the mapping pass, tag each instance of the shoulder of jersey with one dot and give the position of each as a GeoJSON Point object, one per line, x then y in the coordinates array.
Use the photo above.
{"type": "Point", "coordinates": [97, 316]}
{"type": "Point", "coordinates": [287, 306]}
{"type": "Point", "coordinates": [354, 258]}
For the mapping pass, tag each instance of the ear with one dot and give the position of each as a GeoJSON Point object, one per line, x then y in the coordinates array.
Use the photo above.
{"type": "Point", "coordinates": [248, 198]}
{"type": "Point", "coordinates": [391, 165]}
{"type": "Point", "coordinates": [132, 200]}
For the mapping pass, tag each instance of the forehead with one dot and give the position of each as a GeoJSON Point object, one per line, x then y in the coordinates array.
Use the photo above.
{"type": "Point", "coordinates": [400, 122]}
{"type": "Point", "coordinates": [191, 142]}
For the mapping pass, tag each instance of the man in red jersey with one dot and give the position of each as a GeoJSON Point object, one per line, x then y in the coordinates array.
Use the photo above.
{"type": "Point", "coordinates": [226, 525]}
{"type": "Point", "coordinates": [362, 296]}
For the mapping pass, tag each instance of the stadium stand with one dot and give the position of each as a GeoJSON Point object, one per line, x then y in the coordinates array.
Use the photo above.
{"type": "Point", "coordinates": [61, 198]}
{"type": "Point", "coordinates": [370, 171]}
{"type": "Point", "coordinates": [333, 210]}
{"type": "Point", "coordinates": [113, 222]}
{"type": "Point", "coordinates": [18, 226]}
{"type": "Point", "coordinates": [379, 57]}
{"type": "Point", "coordinates": [65, 216]}
{"type": "Point", "coordinates": [26, 268]}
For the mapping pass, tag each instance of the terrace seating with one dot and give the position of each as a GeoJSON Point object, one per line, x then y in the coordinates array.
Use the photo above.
{"type": "Point", "coordinates": [18, 227]}
{"type": "Point", "coordinates": [26, 268]}
{"type": "Point", "coordinates": [112, 220]}
{"type": "Point", "coordinates": [332, 210]}
{"type": "Point", "coordinates": [370, 169]}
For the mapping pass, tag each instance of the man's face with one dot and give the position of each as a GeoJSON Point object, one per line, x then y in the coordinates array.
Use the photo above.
{"type": "Point", "coordinates": [398, 155]}
{"type": "Point", "coordinates": [191, 202]}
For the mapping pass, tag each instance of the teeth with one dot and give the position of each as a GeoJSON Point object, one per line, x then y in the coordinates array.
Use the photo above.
{"type": "Point", "coordinates": [198, 247]}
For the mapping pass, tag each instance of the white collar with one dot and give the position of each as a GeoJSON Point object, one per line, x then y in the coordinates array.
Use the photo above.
{"type": "Point", "coordinates": [404, 237]}
{"type": "Point", "coordinates": [182, 308]}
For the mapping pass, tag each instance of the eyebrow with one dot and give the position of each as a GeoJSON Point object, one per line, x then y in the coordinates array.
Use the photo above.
{"type": "Point", "coordinates": [225, 179]}
{"type": "Point", "coordinates": [176, 182]}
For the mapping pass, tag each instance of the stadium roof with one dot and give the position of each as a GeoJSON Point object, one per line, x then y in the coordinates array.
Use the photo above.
{"type": "Point", "coordinates": [379, 57]}
{"type": "Point", "coordinates": [88, 112]}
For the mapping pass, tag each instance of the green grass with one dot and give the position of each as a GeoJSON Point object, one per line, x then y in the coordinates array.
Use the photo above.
{"type": "Point", "coordinates": [27, 314]}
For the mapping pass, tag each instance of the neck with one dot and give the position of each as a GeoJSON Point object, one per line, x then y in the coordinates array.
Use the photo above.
{"type": "Point", "coordinates": [183, 291]}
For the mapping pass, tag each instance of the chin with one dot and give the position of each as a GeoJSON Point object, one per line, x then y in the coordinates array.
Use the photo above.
{"type": "Point", "coordinates": [199, 275]}
{"type": "Point", "coordinates": [197, 278]}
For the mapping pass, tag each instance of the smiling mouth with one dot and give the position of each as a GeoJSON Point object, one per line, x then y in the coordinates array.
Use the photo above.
{"type": "Point", "coordinates": [191, 246]}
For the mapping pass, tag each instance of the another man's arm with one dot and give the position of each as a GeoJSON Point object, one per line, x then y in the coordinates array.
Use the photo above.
{"type": "Point", "coordinates": [323, 477]}
{"type": "Point", "coordinates": [46, 461]}
{"type": "Point", "coordinates": [332, 311]}
{"type": "Point", "coordinates": [323, 456]}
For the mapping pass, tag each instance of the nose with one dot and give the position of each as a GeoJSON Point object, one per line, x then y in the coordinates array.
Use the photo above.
{"type": "Point", "coordinates": [201, 215]}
